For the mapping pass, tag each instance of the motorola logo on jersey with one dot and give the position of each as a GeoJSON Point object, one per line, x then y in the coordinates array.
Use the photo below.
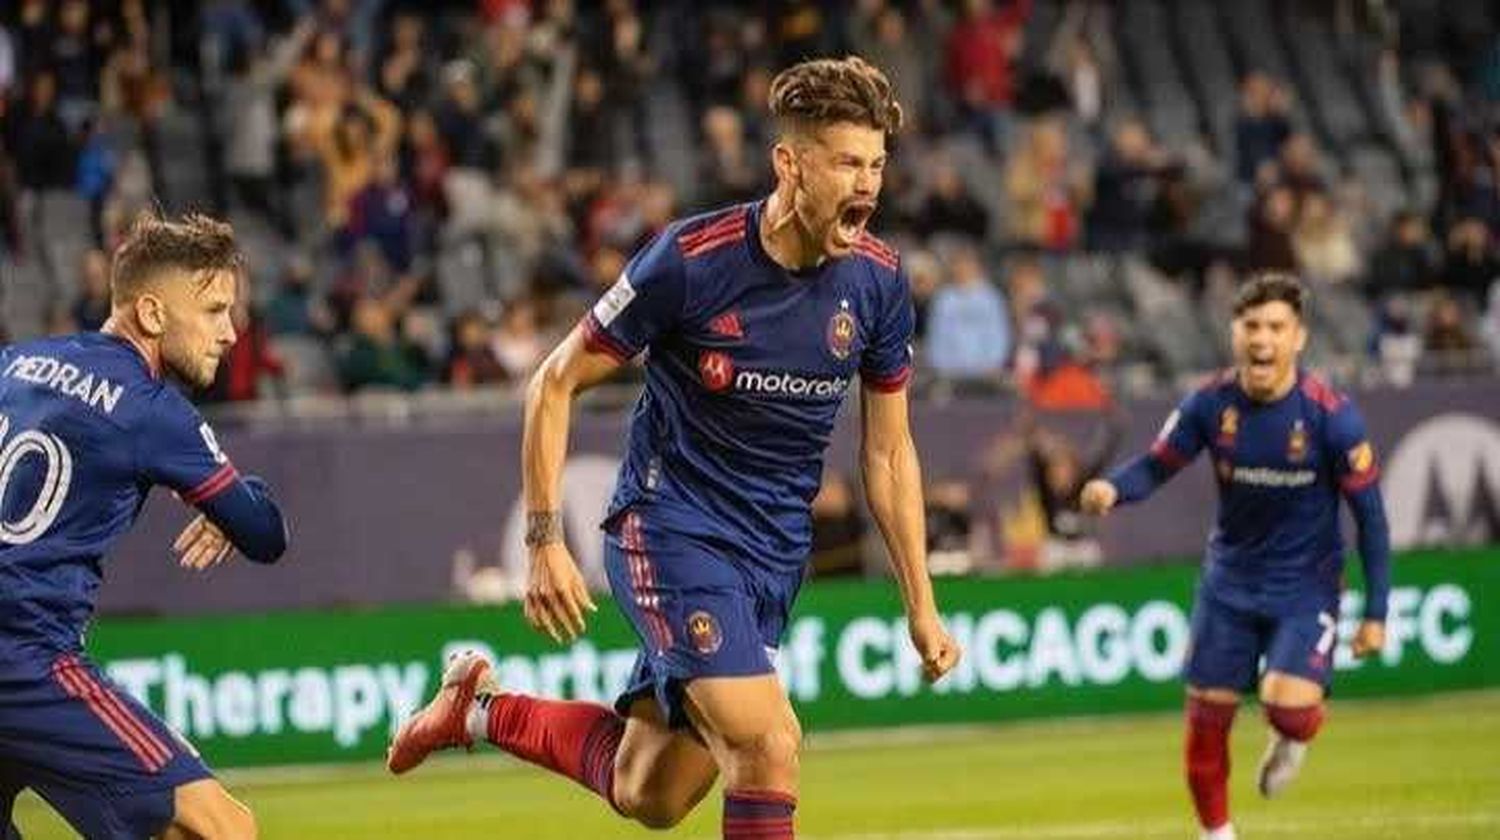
{"type": "Point", "coordinates": [716, 369]}
{"type": "Point", "coordinates": [718, 374]}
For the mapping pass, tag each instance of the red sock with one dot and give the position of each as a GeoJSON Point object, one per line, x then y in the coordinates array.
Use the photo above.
{"type": "Point", "coordinates": [1298, 723]}
{"type": "Point", "coordinates": [578, 740]}
{"type": "Point", "coordinates": [1207, 756]}
{"type": "Point", "coordinates": [758, 815]}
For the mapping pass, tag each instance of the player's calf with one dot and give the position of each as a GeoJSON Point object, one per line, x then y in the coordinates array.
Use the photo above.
{"type": "Point", "coordinates": [1206, 756]}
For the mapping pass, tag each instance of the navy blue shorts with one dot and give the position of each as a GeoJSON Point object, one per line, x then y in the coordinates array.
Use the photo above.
{"type": "Point", "coordinates": [1230, 641]}
{"type": "Point", "coordinates": [88, 748]}
{"type": "Point", "coordinates": [695, 612]}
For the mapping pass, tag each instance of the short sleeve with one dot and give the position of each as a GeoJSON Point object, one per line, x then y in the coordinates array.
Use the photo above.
{"type": "Point", "coordinates": [177, 448]}
{"type": "Point", "coordinates": [1354, 463]}
{"type": "Point", "coordinates": [645, 302]}
{"type": "Point", "coordinates": [1181, 437]}
{"type": "Point", "coordinates": [886, 364]}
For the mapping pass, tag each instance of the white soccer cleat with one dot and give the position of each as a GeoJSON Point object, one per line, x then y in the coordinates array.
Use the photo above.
{"type": "Point", "coordinates": [1223, 832]}
{"type": "Point", "coordinates": [1280, 765]}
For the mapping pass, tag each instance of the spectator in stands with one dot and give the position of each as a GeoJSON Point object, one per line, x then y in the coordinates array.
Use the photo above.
{"type": "Point", "coordinates": [1407, 261]}
{"type": "Point", "coordinates": [1127, 187]}
{"type": "Point", "coordinates": [74, 57]}
{"type": "Point", "coordinates": [1470, 266]}
{"type": "Point", "coordinates": [377, 357]}
{"type": "Point", "coordinates": [883, 38]}
{"type": "Point", "coordinates": [518, 343]}
{"type": "Point", "coordinates": [968, 330]}
{"type": "Point", "coordinates": [1047, 190]}
{"type": "Point", "coordinates": [381, 212]}
{"type": "Point", "coordinates": [731, 171]}
{"type": "Point", "coordinates": [461, 121]}
{"type": "Point", "coordinates": [1300, 167]}
{"type": "Point", "coordinates": [1272, 218]}
{"type": "Point", "coordinates": [591, 144]}
{"type": "Point", "coordinates": [925, 275]}
{"type": "Point", "coordinates": [1448, 346]}
{"type": "Point", "coordinates": [293, 309]}
{"type": "Point", "coordinates": [407, 74]}
{"type": "Point", "coordinates": [351, 154]}
{"type": "Point", "coordinates": [91, 307]}
{"type": "Point", "coordinates": [1323, 243]}
{"type": "Point", "coordinates": [950, 208]}
{"type": "Point", "coordinates": [982, 49]}
{"type": "Point", "coordinates": [1261, 126]}
{"type": "Point", "coordinates": [39, 141]}
{"type": "Point", "coordinates": [628, 70]}
{"type": "Point", "coordinates": [1059, 468]}
{"type": "Point", "coordinates": [249, 124]}
{"type": "Point", "coordinates": [471, 356]}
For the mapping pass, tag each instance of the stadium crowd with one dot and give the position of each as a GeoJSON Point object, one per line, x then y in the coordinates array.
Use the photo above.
{"type": "Point", "coordinates": [433, 193]}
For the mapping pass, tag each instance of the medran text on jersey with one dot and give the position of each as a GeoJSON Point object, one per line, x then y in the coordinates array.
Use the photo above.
{"type": "Point", "coordinates": [96, 392]}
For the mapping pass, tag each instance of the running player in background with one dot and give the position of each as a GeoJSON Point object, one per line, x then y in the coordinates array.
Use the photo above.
{"type": "Point", "coordinates": [757, 318]}
{"type": "Point", "coordinates": [87, 427]}
{"type": "Point", "coordinates": [1285, 447]}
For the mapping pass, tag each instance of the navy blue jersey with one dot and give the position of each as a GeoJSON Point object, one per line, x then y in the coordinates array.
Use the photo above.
{"type": "Point", "coordinates": [86, 429]}
{"type": "Point", "coordinates": [747, 365]}
{"type": "Point", "coordinates": [1281, 469]}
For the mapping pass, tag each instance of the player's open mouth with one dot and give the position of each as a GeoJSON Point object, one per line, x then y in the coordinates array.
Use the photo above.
{"type": "Point", "coordinates": [852, 220]}
{"type": "Point", "coordinates": [1265, 365]}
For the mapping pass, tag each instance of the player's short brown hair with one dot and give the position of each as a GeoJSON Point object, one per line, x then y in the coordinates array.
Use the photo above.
{"type": "Point", "coordinates": [824, 91]}
{"type": "Point", "coordinates": [195, 244]}
{"type": "Point", "coordinates": [1269, 287]}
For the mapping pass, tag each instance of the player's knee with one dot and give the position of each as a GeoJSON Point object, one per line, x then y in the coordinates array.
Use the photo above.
{"type": "Point", "coordinates": [775, 749]}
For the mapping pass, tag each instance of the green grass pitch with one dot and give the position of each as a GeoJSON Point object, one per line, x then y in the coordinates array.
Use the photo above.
{"type": "Point", "coordinates": [1425, 768]}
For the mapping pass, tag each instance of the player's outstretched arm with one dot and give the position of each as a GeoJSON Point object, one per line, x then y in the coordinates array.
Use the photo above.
{"type": "Point", "coordinates": [556, 596]}
{"type": "Point", "coordinates": [1358, 473]}
{"type": "Point", "coordinates": [1177, 444]}
{"type": "Point", "coordinates": [893, 486]}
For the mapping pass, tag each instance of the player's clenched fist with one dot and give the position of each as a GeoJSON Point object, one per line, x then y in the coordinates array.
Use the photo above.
{"type": "Point", "coordinates": [937, 648]}
{"type": "Point", "coordinates": [1369, 639]}
{"type": "Point", "coordinates": [1098, 497]}
{"type": "Point", "coordinates": [556, 596]}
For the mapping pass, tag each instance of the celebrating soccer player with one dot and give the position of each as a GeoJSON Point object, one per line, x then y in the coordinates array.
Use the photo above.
{"type": "Point", "coordinates": [87, 426]}
{"type": "Point", "coordinates": [756, 318]}
{"type": "Point", "coordinates": [1284, 447]}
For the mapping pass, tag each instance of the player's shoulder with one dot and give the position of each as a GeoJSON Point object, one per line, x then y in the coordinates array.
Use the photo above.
{"type": "Point", "coordinates": [878, 254]}
{"type": "Point", "coordinates": [1321, 394]}
{"type": "Point", "coordinates": [1214, 386]}
{"type": "Point", "coordinates": [698, 236]}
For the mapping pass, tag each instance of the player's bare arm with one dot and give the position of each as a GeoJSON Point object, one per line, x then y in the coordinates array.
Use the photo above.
{"type": "Point", "coordinates": [556, 596]}
{"type": "Point", "coordinates": [893, 485]}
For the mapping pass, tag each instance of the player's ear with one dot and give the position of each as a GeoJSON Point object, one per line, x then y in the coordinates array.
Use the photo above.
{"type": "Point", "coordinates": [1301, 336]}
{"type": "Point", "coordinates": [150, 314]}
{"type": "Point", "coordinates": [784, 161]}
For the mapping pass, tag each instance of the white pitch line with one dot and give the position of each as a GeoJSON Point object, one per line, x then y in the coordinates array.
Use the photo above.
{"type": "Point", "coordinates": [1179, 828]}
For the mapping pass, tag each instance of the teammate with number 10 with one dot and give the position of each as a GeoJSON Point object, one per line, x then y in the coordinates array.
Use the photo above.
{"type": "Point", "coordinates": [87, 427]}
{"type": "Point", "coordinates": [1284, 447]}
{"type": "Point", "coordinates": [757, 318]}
